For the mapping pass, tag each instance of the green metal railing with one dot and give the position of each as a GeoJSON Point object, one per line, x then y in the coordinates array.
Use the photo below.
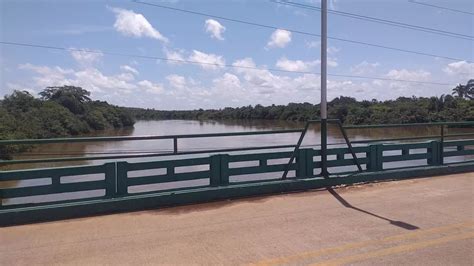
{"type": "Point", "coordinates": [216, 169]}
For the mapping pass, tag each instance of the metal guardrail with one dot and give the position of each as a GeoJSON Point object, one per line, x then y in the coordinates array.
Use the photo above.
{"type": "Point", "coordinates": [118, 179]}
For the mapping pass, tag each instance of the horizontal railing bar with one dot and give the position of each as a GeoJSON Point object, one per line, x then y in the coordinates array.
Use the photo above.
{"type": "Point", "coordinates": [50, 172]}
{"type": "Point", "coordinates": [459, 143]}
{"type": "Point", "coordinates": [168, 163]}
{"type": "Point", "coordinates": [259, 156]}
{"type": "Point", "coordinates": [392, 147]}
{"type": "Point", "coordinates": [49, 202]}
{"type": "Point", "coordinates": [334, 151]}
{"type": "Point", "coordinates": [459, 135]}
{"type": "Point", "coordinates": [257, 181]}
{"type": "Point", "coordinates": [319, 120]}
{"type": "Point", "coordinates": [458, 153]}
{"type": "Point", "coordinates": [398, 158]}
{"type": "Point", "coordinates": [168, 190]}
{"type": "Point", "coordinates": [127, 138]}
{"type": "Point", "coordinates": [91, 158]}
{"type": "Point", "coordinates": [343, 162]}
{"type": "Point", "coordinates": [396, 139]}
{"type": "Point", "coordinates": [51, 189]}
{"type": "Point", "coordinates": [464, 123]}
{"type": "Point", "coordinates": [260, 169]}
{"type": "Point", "coordinates": [158, 179]}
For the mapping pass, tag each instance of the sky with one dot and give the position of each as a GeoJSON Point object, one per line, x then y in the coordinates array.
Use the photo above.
{"type": "Point", "coordinates": [127, 27]}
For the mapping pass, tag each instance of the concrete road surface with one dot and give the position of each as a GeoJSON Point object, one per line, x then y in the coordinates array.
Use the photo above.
{"type": "Point", "coordinates": [426, 221]}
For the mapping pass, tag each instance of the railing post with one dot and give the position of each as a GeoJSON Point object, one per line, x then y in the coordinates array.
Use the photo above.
{"type": "Point", "coordinates": [434, 153]}
{"type": "Point", "coordinates": [215, 170]}
{"type": "Point", "coordinates": [304, 162]}
{"type": "Point", "coordinates": [122, 187]}
{"type": "Point", "coordinates": [219, 170]}
{"type": "Point", "coordinates": [175, 145]}
{"type": "Point", "coordinates": [224, 168]}
{"type": "Point", "coordinates": [441, 144]}
{"type": "Point", "coordinates": [110, 180]}
{"type": "Point", "coordinates": [375, 156]}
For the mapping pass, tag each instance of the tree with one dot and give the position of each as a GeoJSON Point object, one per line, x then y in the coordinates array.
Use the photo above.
{"type": "Point", "coordinates": [71, 97]}
{"type": "Point", "coordinates": [464, 91]}
{"type": "Point", "coordinates": [470, 89]}
{"type": "Point", "coordinates": [20, 102]}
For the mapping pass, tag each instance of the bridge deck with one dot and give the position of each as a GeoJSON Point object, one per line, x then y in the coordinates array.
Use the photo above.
{"type": "Point", "coordinates": [427, 221]}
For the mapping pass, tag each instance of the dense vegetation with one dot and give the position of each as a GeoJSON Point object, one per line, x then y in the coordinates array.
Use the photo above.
{"type": "Point", "coordinates": [61, 111]}
{"type": "Point", "coordinates": [459, 107]}
{"type": "Point", "coordinates": [348, 110]}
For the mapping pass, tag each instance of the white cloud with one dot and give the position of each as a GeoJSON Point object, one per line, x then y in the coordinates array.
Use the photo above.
{"type": "Point", "coordinates": [176, 81]}
{"type": "Point", "coordinates": [129, 69]}
{"type": "Point", "coordinates": [94, 80]}
{"type": "Point", "coordinates": [331, 62]}
{"type": "Point", "coordinates": [279, 38]}
{"type": "Point", "coordinates": [295, 65]}
{"type": "Point", "coordinates": [460, 68]}
{"type": "Point", "coordinates": [262, 80]}
{"type": "Point", "coordinates": [228, 81]}
{"type": "Point", "coordinates": [48, 76]}
{"type": "Point", "coordinates": [134, 24]}
{"type": "Point", "coordinates": [317, 44]}
{"type": "Point", "coordinates": [215, 29]}
{"type": "Point", "coordinates": [85, 57]}
{"type": "Point", "coordinates": [91, 79]}
{"type": "Point", "coordinates": [208, 61]}
{"type": "Point", "coordinates": [174, 57]}
{"type": "Point", "coordinates": [245, 62]}
{"type": "Point", "coordinates": [299, 65]}
{"type": "Point", "coordinates": [419, 75]}
{"type": "Point", "coordinates": [364, 68]}
{"type": "Point", "coordinates": [151, 87]}
{"type": "Point", "coordinates": [308, 82]}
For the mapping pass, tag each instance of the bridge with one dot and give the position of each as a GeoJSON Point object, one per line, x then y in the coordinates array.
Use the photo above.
{"type": "Point", "coordinates": [321, 224]}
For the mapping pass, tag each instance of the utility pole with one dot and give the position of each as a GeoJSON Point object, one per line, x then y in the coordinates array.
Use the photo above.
{"type": "Point", "coordinates": [324, 115]}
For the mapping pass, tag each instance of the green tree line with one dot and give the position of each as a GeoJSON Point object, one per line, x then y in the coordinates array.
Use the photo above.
{"type": "Point", "coordinates": [347, 109]}
{"type": "Point", "coordinates": [59, 112]}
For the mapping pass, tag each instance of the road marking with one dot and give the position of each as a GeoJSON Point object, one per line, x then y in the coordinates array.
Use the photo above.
{"type": "Point", "coordinates": [332, 250]}
{"type": "Point", "coordinates": [396, 249]}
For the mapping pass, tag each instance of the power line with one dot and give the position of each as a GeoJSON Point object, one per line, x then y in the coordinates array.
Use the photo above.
{"type": "Point", "coordinates": [440, 7]}
{"type": "Point", "coordinates": [302, 32]}
{"type": "Point", "coordinates": [378, 20]}
{"type": "Point", "coordinates": [210, 64]}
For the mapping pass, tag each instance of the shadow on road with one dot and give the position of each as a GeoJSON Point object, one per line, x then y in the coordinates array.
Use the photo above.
{"type": "Point", "coordinates": [348, 205]}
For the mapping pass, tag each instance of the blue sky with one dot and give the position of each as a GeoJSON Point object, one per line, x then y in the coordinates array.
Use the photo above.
{"type": "Point", "coordinates": [132, 28]}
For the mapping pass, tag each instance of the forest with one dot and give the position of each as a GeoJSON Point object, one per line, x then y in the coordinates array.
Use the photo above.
{"type": "Point", "coordinates": [347, 109]}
